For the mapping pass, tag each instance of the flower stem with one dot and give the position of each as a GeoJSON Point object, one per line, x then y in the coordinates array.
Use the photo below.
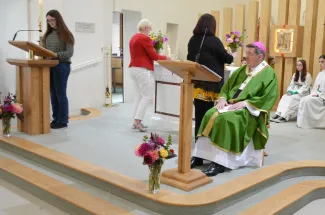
{"type": "Point", "coordinates": [6, 126]}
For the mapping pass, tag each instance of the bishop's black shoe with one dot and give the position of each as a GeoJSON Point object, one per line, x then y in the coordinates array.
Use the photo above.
{"type": "Point", "coordinates": [196, 162]}
{"type": "Point", "coordinates": [214, 169]}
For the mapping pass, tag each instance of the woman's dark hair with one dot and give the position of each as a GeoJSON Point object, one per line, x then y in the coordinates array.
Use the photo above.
{"type": "Point", "coordinates": [63, 31]}
{"type": "Point", "coordinates": [303, 72]}
{"type": "Point", "coordinates": [322, 56]}
{"type": "Point", "coordinates": [206, 21]}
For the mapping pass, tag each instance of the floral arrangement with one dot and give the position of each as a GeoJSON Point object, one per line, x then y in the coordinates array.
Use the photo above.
{"type": "Point", "coordinates": [154, 152]}
{"type": "Point", "coordinates": [158, 41]}
{"type": "Point", "coordinates": [154, 148]}
{"type": "Point", "coordinates": [8, 110]}
{"type": "Point", "coordinates": [234, 40]}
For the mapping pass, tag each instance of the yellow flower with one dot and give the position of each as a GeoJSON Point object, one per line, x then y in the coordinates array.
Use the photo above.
{"type": "Point", "coordinates": [163, 153]}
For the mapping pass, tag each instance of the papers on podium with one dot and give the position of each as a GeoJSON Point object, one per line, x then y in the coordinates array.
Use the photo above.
{"type": "Point", "coordinates": [211, 71]}
{"type": "Point", "coordinates": [226, 109]}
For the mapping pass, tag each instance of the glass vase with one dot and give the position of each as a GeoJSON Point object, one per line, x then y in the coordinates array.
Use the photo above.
{"type": "Point", "coordinates": [154, 176]}
{"type": "Point", "coordinates": [6, 126]}
{"type": "Point", "coordinates": [233, 50]}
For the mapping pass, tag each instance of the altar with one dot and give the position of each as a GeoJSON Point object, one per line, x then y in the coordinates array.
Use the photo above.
{"type": "Point", "coordinates": [166, 105]}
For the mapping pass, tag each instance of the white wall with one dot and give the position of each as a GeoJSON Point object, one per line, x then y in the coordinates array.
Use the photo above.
{"type": "Point", "coordinates": [86, 87]}
{"type": "Point", "coordinates": [13, 18]}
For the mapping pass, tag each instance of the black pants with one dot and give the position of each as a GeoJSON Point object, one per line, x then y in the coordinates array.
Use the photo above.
{"type": "Point", "coordinates": [201, 107]}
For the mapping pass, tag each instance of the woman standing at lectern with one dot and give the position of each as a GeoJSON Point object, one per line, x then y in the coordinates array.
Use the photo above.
{"type": "Point", "coordinates": [214, 56]}
{"type": "Point", "coordinates": [59, 40]}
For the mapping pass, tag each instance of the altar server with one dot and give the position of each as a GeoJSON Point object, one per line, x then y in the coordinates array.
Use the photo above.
{"type": "Point", "coordinates": [299, 88]}
{"type": "Point", "coordinates": [311, 112]}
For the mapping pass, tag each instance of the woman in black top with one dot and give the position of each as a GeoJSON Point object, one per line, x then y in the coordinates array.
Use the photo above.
{"type": "Point", "coordinates": [214, 56]}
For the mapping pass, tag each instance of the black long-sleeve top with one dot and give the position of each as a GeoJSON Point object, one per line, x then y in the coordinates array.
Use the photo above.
{"type": "Point", "coordinates": [213, 55]}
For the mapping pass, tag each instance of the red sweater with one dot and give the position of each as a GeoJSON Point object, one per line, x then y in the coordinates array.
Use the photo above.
{"type": "Point", "coordinates": [142, 52]}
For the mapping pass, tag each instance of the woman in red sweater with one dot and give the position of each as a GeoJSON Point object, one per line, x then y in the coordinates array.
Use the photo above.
{"type": "Point", "coordinates": [141, 67]}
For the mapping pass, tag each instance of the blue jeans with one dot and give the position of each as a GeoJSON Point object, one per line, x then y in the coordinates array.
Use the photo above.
{"type": "Point", "coordinates": [58, 87]}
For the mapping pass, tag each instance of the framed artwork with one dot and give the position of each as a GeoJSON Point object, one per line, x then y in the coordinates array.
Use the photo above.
{"type": "Point", "coordinates": [286, 41]}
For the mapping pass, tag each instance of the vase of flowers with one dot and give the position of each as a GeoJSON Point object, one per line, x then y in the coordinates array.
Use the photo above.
{"type": "Point", "coordinates": [158, 41]}
{"type": "Point", "coordinates": [154, 152]}
{"type": "Point", "coordinates": [234, 40]}
{"type": "Point", "coordinates": [8, 110]}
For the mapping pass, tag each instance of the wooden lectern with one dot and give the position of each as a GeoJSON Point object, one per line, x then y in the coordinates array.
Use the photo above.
{"type": "Point", "coordinates": [33, 87]}
{"type": "Point", "coordinates": [184, 177]}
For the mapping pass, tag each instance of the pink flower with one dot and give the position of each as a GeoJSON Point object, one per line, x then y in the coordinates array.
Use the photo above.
{"type": "Point", "coordinates": [7, 108]}
{"type": "Point", "coordinates": [165, 39]}
{"type": "Point", "coordinates": [136, 151]}
{"type": "Point", "coordinates": [143, 149]}
{"type": "Point", "coordinates": [236, 40]}
{"type": "Point", "coordinates": [228, 35]}
{"type": "Point", "coordinates": [160, 140]}
{"type": "Point", "coordinates": [17, 108]}
{"type": "Point", "coordinates": [154, 155]}
{"type": "Point", "coordinates": [230, 40]}
{"type": "Point", "coordinates": [148, 159]}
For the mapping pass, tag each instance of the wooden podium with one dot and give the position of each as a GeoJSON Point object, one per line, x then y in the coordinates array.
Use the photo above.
{"type": "Point", "coordinates": [184, 177]}
{"type": "Point", "coordinates": [33, 87]}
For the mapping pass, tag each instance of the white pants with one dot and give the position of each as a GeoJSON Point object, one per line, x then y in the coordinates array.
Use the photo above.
{"type": "Point", "coordinates": [288, 106]}
{"type": "Point", "coordinates": [144, 89]}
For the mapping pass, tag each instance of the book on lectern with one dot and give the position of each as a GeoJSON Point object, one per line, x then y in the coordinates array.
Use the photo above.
{"type": "Point", "coordinates": [211, 71]}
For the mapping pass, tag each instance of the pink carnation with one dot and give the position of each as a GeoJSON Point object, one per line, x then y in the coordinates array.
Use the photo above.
{"type": "Point", "coordinates": [17, 108]}
{"type": "Point", "coordinates": [143, 149]}
{"type": "Point", "coordinates": [154, 155]}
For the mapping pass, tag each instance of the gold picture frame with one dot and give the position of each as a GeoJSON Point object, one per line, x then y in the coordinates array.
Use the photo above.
{"type": "Point", "coordinates": [286, 40]}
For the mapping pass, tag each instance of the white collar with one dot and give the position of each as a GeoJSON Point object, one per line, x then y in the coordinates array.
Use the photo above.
{"type": "Point", "coordinates": [257, 69]}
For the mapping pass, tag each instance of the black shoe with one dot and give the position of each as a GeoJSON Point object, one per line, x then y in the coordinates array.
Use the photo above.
{"type": "Point", "coordinates": [280, 120]}
{"type": "Point", "coordinates": [59, 125]}
{"type": "Point", "coordinates": [214, 169]}
{"type": "Point", "coordinates": [273, 119]}
{"type": "Point", "coordinates": [52, 123]}
{"type": "Point", "coordinates": [196, 162]}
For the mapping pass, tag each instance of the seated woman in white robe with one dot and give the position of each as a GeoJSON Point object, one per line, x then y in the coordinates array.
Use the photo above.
{"type": "Point", "coordinates": [299, 88]}
{"type": "Point", "coordinates": [311, 112]}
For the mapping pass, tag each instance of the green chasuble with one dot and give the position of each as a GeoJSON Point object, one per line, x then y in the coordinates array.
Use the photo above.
{"type": "Point", "coordinates": [231, 131]}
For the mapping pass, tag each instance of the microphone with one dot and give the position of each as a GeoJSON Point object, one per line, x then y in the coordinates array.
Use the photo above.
{"type": "Point", "coordinates": [24, 30]}
{"type": "Point", "coordinates": [197, 57]}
